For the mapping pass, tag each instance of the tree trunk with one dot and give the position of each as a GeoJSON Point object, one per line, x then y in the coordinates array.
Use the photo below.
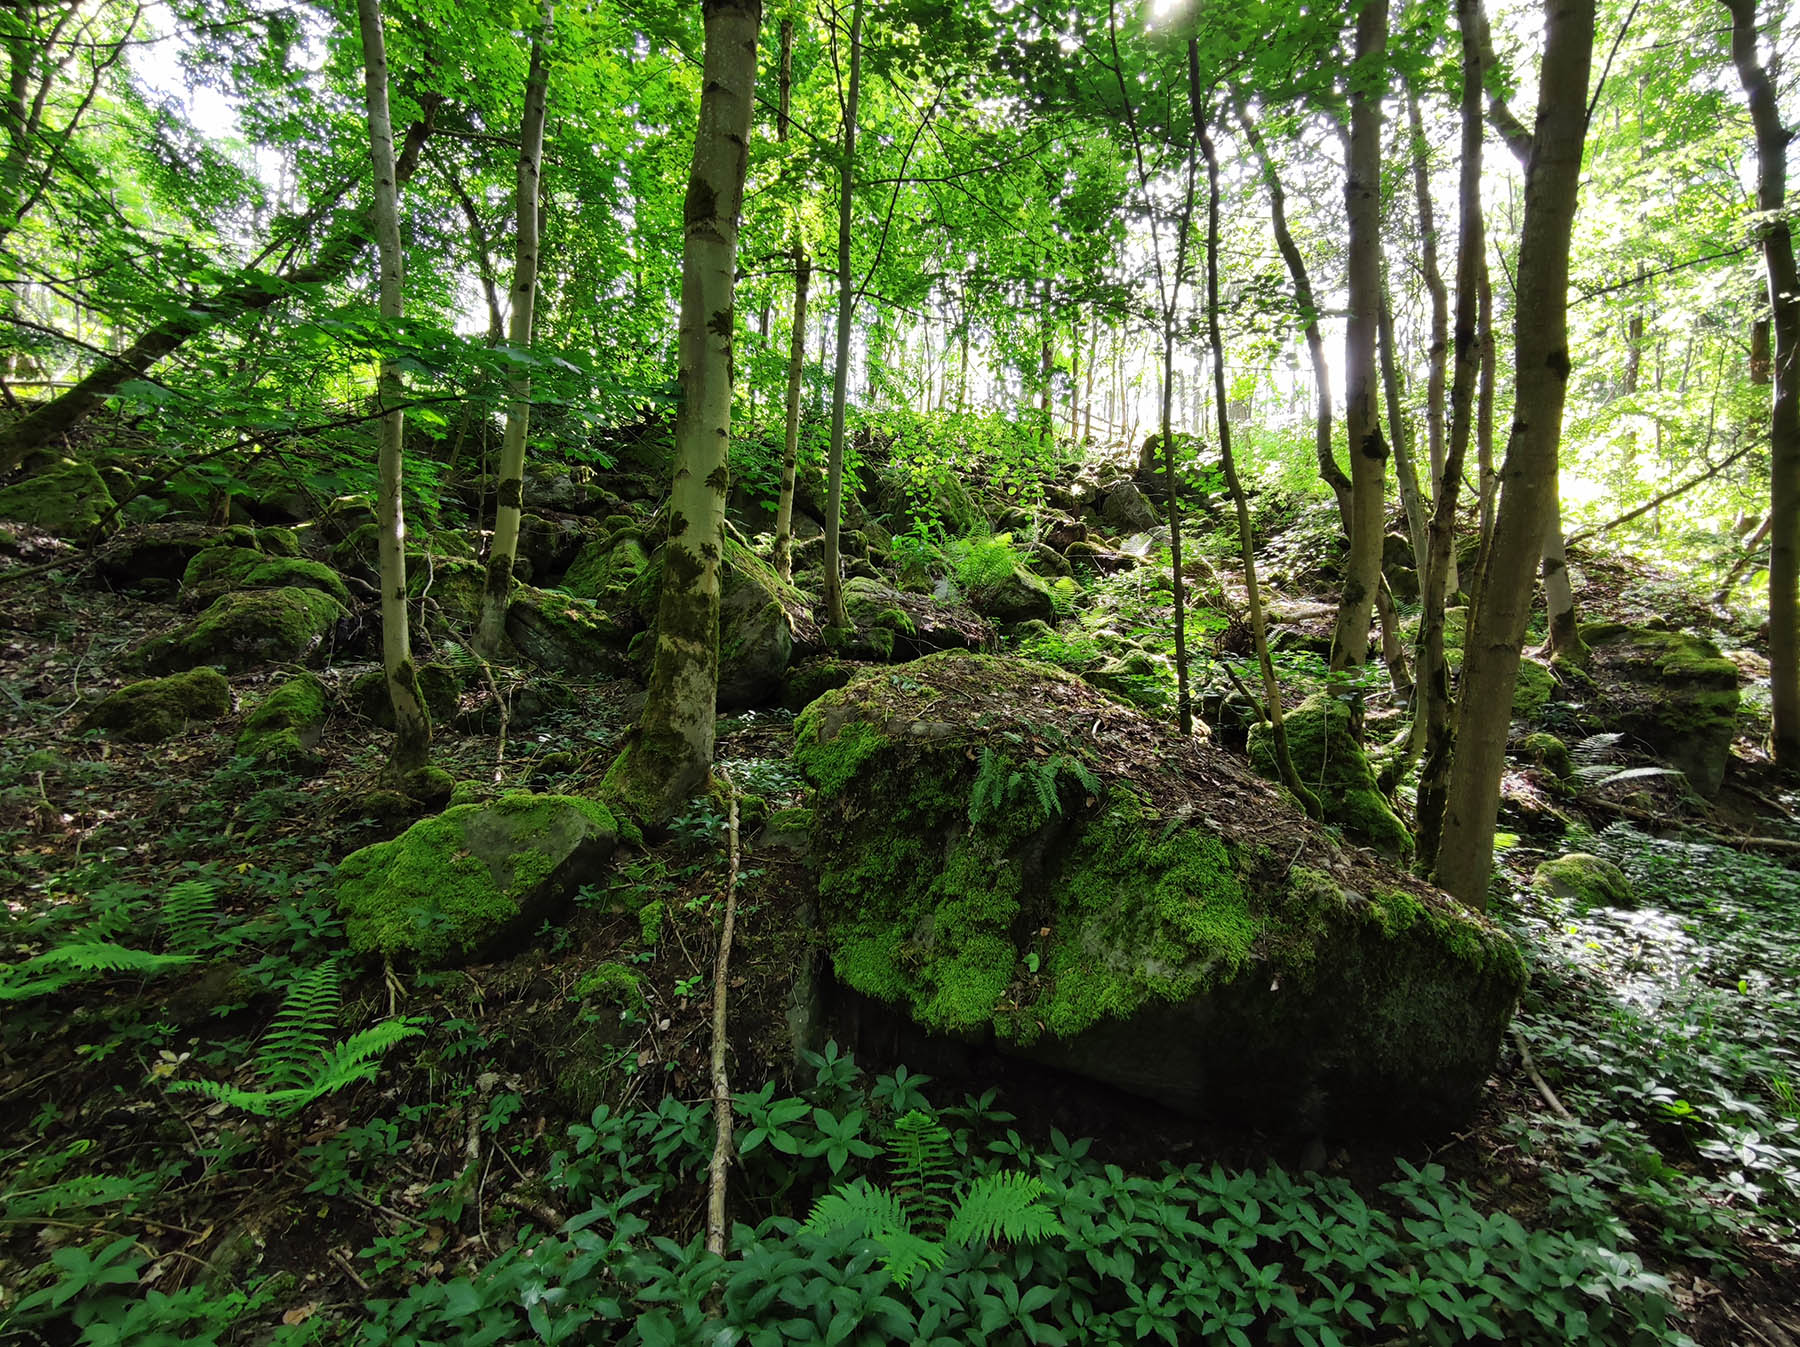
{"type": "Point", "coordinates": [790, 453]}
{"type": "Point", "coordinates": [412, 739]}
{"type": "Point", "coordinates": [69, 408]}
{"type": "Point", "coordinates": [1564, 640]}
{"type": "Point", "coordinates": [498, 594]}
{"type": "Point", "coordinates": [1434, 706]}
{"type": "Point", "coordinates": [1440, 308]}
{"type": "Point", "coordinates": [1362, 423]}
{"type": "Point", "coordinates": [670, 752]}
{"type": "Point", "coordinates": [1528, 477]}
{"type": "Point", "coordinates": [835, 616]}
{"type": "Point", "coordinates": [1772, 141]}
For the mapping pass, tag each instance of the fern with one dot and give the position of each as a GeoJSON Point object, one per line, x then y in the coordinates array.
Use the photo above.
{"type": "Point", "coordinates": [297, 1060]}
{"type": "Point", "coordinates": [1007, 1205]}
{"type": "Point", "coordinates": [188, 912]}
{"type": "Point", "coordinates": [988, 797]}
{"type": "Point", "coordinates": [65, 965]}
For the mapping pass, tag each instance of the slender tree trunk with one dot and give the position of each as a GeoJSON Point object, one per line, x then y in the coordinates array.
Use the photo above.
{"type": "Point", "coordinates": [790, 453]}
{"type": "Point", "coordinates": [670, 752]}
{"type": "Point", "coordinates": [1772, 140]}
{"type": "Point", "coordinates": [1362, 423]}
{"type": "Point", "coordinates": [61, 414]}
{"type": "Point", "coordinates": [1440, 306]}
{"type": "Point", "coordinates": [1412, 499]}
{"type": "Point", "coordinates": [1564, 641]}
{"type": "Point", "coordinates": [1434, 707]}
{"type": "Point", "coordinates": [498, 594]}
{"type": "Point", "coordinates": [412, 739]}
{"type": "Point", "coordinates": [1528, 478]}
{"type": "Point", "coordinates": [835, 615]}
{"type": "Point", "coordinates": [1489, 479]}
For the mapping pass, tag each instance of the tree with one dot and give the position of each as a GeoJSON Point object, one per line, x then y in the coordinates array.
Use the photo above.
{"type": "Point", "coordinates": [492, 627]}
{"type": "Point", "coordinates": [846, 308]}
{"type": "Point", "coordinates": [1528, 474]}
{"type": "Point", "coordinates": [1776, 236]}
{"type": "Point", "coordinates": [412, 725]}
{"type": "Point", "coordinates": [670, 752]}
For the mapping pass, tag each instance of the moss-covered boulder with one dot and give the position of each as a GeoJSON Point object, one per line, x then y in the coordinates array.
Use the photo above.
{"type": "Point", "coordinates": [219, 570]}
{"type": "Point", "coordinates": [994, 868]}
{"type": "Point", "coordinates": [1325, 742]}
{"type": "Point", "coordinates": [472, 882]}
{"type": "Point", "coordinates": [1584, 880]}
{"type": "Point", "coordinates": [605, 569]}
{"type": "Point", "coordinates": [448, 590]}
{"type": "Point", "coordinates": [569, 636]}
{"type": "Point", "coordinates": [158, 552]}
{"type": "Point", "coordinates": [286, 726]}
{"type": "Point", "coordinates": [811, 679]}
{"type": "Point", "coordinates": [161, 708]}
{"type": "Point", "coordinates": [69, 501]}
{"type": "Point", "coordinates": [1018, 596]}
{"type": "Point", "coordinates": [1127, 509]}
{"type": "Point", "coordinates": [1673, 692]}
{"type": "Point", "coordinates": [441, 685]}
{"type": "Point", "coordinates": [756, 633]}
{"type": "Point", "coordinates": [1548, 752]}
{"type": "Point", "coordinates": [890, 624]}
{"type": "Point", "coordinates": [246, 628]}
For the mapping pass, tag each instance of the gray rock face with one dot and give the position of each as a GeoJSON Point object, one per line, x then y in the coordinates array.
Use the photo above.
{"type": "Point", "coordinates": [1673, 692]}
{"type": "Point", "coordinates": [756, 642]}
{"type": "Point", "coordinates": [565, 635]}
{"type": "Point", "coordinates": [1173, 928]}
{"type": "Point", "coordinates": [1020, 597]}
{"type": "Point", "coordinates": [1127, 510]}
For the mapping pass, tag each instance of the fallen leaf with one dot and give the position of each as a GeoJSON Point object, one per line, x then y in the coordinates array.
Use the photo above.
{"type": "Point", "coordinates": [300, 1313]}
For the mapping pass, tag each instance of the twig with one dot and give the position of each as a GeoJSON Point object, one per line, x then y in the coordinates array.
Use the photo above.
{"type": "Point", "coordinates": [538, 1211]}
{"type": "Point", "coordinates": [349, 1271]}
{"type": "Point", "coordinates": [1543, 1086]}
{"type": "Point", "coordinates": [721, 1085]}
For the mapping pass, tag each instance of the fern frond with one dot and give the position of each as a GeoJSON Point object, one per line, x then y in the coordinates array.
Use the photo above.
{"type": "Point", "coordinates": [57, 968]}
{"type": "Point", "coordinates": [924, 1167]}
{"type": "Point", "coordinates": [303, 1028]}
{"type": "Point", "coordinates": [1007, 1205]}
{"type": "Point", "coordinates": [1044, 779]}
{"type": "Point", "coordinates": [356, 1058]}
{"type": "Point", "coordinates": [861, 1208]}
{"type": "Point", "coordinates": [188, 911]}
{"type": "Point", "coordinates": [1082, 773]}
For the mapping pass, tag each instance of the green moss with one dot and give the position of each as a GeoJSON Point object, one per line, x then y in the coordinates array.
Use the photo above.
{"type": "Point", "coordinates": [278, 571]}
{"type": "Point", "coordinates": [226, 565]}
{"type": "Point", "coordinates": [161, 708]}
{"type": "Point", "coordinates": [831, 764]}
{"type": "Point", "coordinates": [1322, 742]}
{"type": "Point", "coordinates": [1548, 752]}
{"type": "Point", "coordinates": [278, 542]}
{"type": "Point", "coordinates": [285, 727]}
{"type": "Point", "coordinates": [1533, 688]}
{"type": "Point", "coordinates": [612, 982]}
{"type": "Point", "coordinates": [68, 501]}
{"type": "Point", "coordinates": [650, 922]}
{"type": "Point", "coordinates": [470, 791]}
{"type": "Point", "coordinates": [246, 628]}
{"type": "Point", "coordinates": [439, 685]}
{"type": "Point", "coordinates": [453, 886]}
{"type": "Point", "coordinates": [1585, 881]}
{"type": "Point", "coordinates": [429, 785]}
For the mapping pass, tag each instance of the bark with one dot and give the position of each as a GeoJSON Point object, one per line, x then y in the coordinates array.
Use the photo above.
{"type": "Point", "coordinates": [1440, 309]}
{"type": "Point", "coordinates": [248, 296]}
{"type": "Point", "coordinates": [670, 752]}
{"type": "Point", "coordinates": [784, 510]}
{"type": "Point", "coordinates": [835, 615]}
{"type": "Point", "coordinates": [1528, 477]}
{"type": "Point", "coordinates": [510, 501]}
{"type": "Point", "coordinates": [1434, 707]}
{"type": "Point", "coordinates": [1489, 479]}
{"type": "Point", "coordinates": [412, 724]}
{"type": "Point", "coordinates": [1259, 629]}
{"type": "Point", "coordinates": [1772, 140]}
{"type": "Point", "coordinates": [1564, 640]}
{"type": "Point", "coordinates": [1412, 500]}
{"type": "Point", "coordinates": [1362, 422]}
{"type": "Point", "coordinates": [1329, 471]}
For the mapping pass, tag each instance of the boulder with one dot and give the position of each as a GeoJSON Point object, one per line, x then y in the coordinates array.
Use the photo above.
{"type": "Point", "coordinates": [286, 726]}
{"type": "Point", "coordinates": [69, 501]}
{"type": "Point", "coordinates": [890, 624]}
{"type": "Point", "coordinates": [1018, 596]}
{"type": "Point", "coordinates": [449, 588]}
{"type": "Point", "coordinates": [1674, 692]}
{"type": "Point", "coordinates": [161, 708]}
{"type": "Point", "coordinates": [219, 570]}
{"type": "Point", "coordinates": [247, 628]}
{"type": "Point", "coordinates": [1584, 880]}
{"type": "Point", "coordinates": [1324, 736]}
{"type": "Point", "coordinates": [550, 544]}
{"type": "Point", "coordinates": [1127, 510]}
{"type": "Point", "coordinates": [1397, 566]}
{"type": "Point", "coordinates": [568, 636]}
{"type": "Point", "coordinates": [1548, 752]}
{"type": "Point", "coordinates": [164, 551]}
{"type": "Point", "coordinates": [438, 683]}
{"type": "Point", "coordinates": [811, 679]}
{"type": "Point", "coordinates": [756, 634]}
{"type": "Point", "coordinates": [474, 881]}
{"type": "Point", "coordinates": [1154, 918]}
{"type": "Point", "coordinates": [605, 568]}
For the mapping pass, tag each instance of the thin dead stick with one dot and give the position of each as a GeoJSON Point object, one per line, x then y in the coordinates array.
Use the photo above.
{"type": "Point", "coordinates": [721, 1085]}
{"type": "Point", "coordinates": [1668, 495]}
{"type": "Point", "coordinates": [1543, 1086]}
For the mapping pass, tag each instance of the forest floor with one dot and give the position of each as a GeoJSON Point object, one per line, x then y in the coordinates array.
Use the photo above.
{"type": "Point", "coordinates": [1646, 1102]}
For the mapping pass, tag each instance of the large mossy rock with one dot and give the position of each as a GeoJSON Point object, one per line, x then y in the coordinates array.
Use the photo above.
{"type": "Point", "coordinates": [1674, 692]}
{"type": "Point", "coordinates": [161, 708]}
{"type": "Point", "coordinates": [569, 636]}
{"type": "Point", "coordinates": [219, 570]}
{"type": "Point", "coordinates": [890, 624]}
{"type": "Point", "coordinates": [69, 501]}
{"type": "Point", "coordinates": [247, 628]}
{"type": "Point", "coordinates": [761, 620]}
{"type": "Point", "coordinates": [472, 882]}
{"type": "Point", "coordinates": [1584, 880]}
{"type": "Point", "coordinates": [605, 569]}
{"type": "Point", "coordinates": [1324, 741]}
{"type": "Point", "coordinates": [1019, 596]}
{"type": "Point", "coordinates": [286, 726]}
{"type": "Point", "coordinates": [1005, 856]}
{"type": "Point", "coordinates": [1128, 510]}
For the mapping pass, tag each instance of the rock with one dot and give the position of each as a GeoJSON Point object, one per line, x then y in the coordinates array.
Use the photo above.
{"type": "Point", "coordinates": [247, 628]}
{"type": "Point", "coordinates": [161, 708]}
{"type": "Point", "coordinates": [1549, 752]}
{"type": "Point", "coordinates": [1099, 557]}
{"type": "Point", "coordinates": [756, 634]}
{"type": "Point", "coordinates": [605, 569]}
{"type": "Point", "coordinates": [450, 588]}
{"type": "Point", "coordinates": [554, 486]}
{"type": "Point", "coordinates": [804, 683]}
{"type": "Point", "coordinates": [1135, 677]}
{"type": "Point", "coordinates": [550, 545]}
{"type": "Point", "coordinates": [1397, 566]}
{"type": "Point", "coordinates": [1674, 692]}
{"type": "Point", "coordinates": [1324, 742]}
{"type": "Point", "coordinates": [468, 884]}
{"type": "Point", "coordinates": [1585, 881]}
{"type": "Point", "coordinates": [892, 625]}
{"type": "Point", "coordinates": [1533, 688]}
{"type": "Point", "coordinates": [568, 636]}
{"type": "Point", "coordinates": [1152, 930]}
{"type": "Point", "coordinates": [440, 685]}
{"type": "Point", "coordinates": [219, 570]}
{"type": "Point", "coordinates": [287, 725]}
{"type": "Point", "coordinates": [1126, 509]}
{"type": "Point", "coordinates": [69, 501]}
{"type": "Point", "coordinates": [164, 551]}
{"type": "Point", "coordinates": [1018, 596]}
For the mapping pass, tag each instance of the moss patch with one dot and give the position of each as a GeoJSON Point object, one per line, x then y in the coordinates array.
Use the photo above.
{"type": "Point", "coordinates": [463, 885]}
{"type": "Point", "coordinates": [161, 708]}
{"type": "Point", "coordinates": [286, 726]}
{"type": "Point", "coordinates": [68, 501]}
{"type": "Point", "coordinates": [1323, 742]}
{"type": "Point", "coordinates": [247, 628]}
{"type": "Point", "coordinates": [1585, 881]}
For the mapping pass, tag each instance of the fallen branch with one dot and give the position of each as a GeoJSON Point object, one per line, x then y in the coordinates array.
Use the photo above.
{"type": "Point", "coordinates": [1674, 491]}
{"type": "Point", "coordinates": [721, 1085]}
{"type": "Point", "coordinates": [1543, 1086]}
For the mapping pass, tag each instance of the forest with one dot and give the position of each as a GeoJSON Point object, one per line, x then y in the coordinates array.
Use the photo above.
{"type": "Point", "coordinates": [899, 671]}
